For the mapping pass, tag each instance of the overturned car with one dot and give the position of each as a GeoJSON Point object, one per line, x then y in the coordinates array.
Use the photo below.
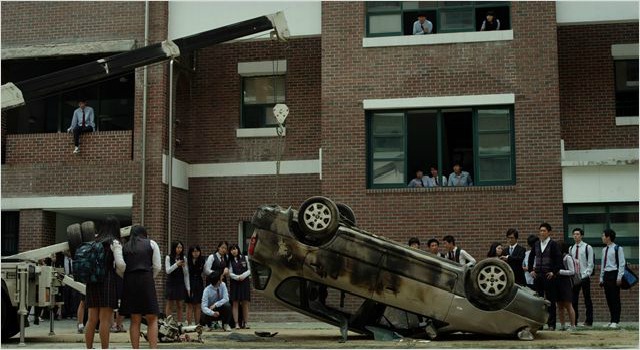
{"type": "Point", "coordinates": [316, 261]}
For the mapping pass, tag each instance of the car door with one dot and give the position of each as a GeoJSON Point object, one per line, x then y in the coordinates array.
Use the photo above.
{"type": "Point", "coordinates": [416, 282]}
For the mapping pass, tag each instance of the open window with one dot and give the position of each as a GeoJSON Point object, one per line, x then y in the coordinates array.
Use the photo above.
{"type": "Point", "coordinates": [480, 140]}
{"type": "Point", "coordinates": [389, 18]}
{"type": "Point", "coordinates": [112, 100]}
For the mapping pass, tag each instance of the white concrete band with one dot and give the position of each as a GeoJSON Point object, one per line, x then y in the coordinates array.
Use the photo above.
{"type": "Point", "coordinates": [434, 39]}
{"type": "Point", "coordinates": [439, 101]}
{"type": "Point", "coordinates": [259, 132]}
{"type": "Point", "coordinates": [624, 51]}
{"type": "Point", "coordinates": [124, 200]}
{"type": "Point", "coordinates": [250, 69]}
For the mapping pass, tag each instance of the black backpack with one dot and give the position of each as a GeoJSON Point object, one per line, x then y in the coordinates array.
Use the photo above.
{"type": "Point", "coordinates": [89, 262]}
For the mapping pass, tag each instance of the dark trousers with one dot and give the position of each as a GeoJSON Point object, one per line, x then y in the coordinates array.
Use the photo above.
{"type": "Point", "coordinates": [79, 130]}
{"type": "Point", "coordinates": [224, 316]}
{"type": "Point", "coordinates": [612, 293]}
{"type": "Point", "coordinates": [547, 289]}
{"type": "Point", "coordinates": [585, 286]}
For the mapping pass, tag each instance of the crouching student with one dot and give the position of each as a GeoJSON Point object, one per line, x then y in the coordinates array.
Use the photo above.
{"type": "Point", "coordinates": [215, 302]}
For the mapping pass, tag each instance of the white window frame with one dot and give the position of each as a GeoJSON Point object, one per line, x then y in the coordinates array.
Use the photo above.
{"type": "Point", "coordinates": [255, 69]}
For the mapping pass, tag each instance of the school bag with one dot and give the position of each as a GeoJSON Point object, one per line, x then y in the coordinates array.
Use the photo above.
{"type": "Point", "coordinates": [89, 262]}
{"type": "Point", "coordinates": [629, 278]}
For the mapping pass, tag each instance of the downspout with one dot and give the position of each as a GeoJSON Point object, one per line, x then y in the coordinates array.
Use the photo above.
{"type": "Point", "coordinates": [170, 156]}
{"type": "Point", "coordinates": [143, 181]}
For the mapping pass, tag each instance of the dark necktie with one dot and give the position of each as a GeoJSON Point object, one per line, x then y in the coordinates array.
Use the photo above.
{"type": "Point", "coordinates": [451, 255]}
{"type": "Point", "coordinates": [510, 250]}
{"type": "Point", "coordinates": [606, 252]}
{"type": "Point", "coordinates": [83, 125]}
{"type": "Point", "coordinates": [577, 249]}
{"type": "Point", "coordinates": [436, 181]}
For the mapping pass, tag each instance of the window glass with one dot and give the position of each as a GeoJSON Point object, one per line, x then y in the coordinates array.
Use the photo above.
{"type": "Point", "coordinates": [456, 20]}
{"type": "Point", "coordinates": [493, 119]}
{"type": "Point", "coordinates": [494, 169]}
{"type": "Point", "coordinates": [260, 90]}
{"type": "Point", "coordinates": [594, 218]}
{"type": "Point", "coordinates": [624, 220]}
{"type": "Point", "coordinates": [290, 291]}
{"type": "Point", "coordinates": [402, 143]}
{"type": "Point", "coordinates": [395, 18]}
{"type": "Point", "coordinates": [383, 5]}
{"type": "Point", "coordinates": [10, 231]}
{"type": "Point", "coordinates": [390, 23]}
{"type": "Point", "coordinates": [260, 95]}
{"type": "Point", "coordinates": [626, 77]}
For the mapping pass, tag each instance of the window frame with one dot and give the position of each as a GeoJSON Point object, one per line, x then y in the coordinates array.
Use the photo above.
{"type": "Point", "coordinates": [438, 9]}
{"type": "Point", "coordinates": [440, 149]}
{"type": "Point", "coordinates": [242, 104]}
{"type": "Point", "coordinates": [597, 242]}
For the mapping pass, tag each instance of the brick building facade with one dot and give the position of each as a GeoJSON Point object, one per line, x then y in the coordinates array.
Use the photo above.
{"type": "Point", "coordinates": [331, 82]}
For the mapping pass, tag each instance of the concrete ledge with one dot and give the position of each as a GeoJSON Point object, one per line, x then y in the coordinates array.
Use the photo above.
{"type": "Point", "coordinates": [434, 39]}
{"type": "Point", "coordinates": [61, 49]}
{"type": "Point", "coordinates": [259, 132]}
{"type": "Point", "coordinates": [439, 101]}
{"type": "Point", "coordinates": [623, 121]}
{"type": "Point", "coordinates": [597, 157]}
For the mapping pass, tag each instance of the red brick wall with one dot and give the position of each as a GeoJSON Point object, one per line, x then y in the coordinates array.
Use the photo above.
{"type": "Point", "coordinates": [475, 216]}
{"type": "Point", "coordinates": [217, 205]}
{"type": "Point", "coordinates": [587, 86]}
{"type": "Point", "coordinates": [210, 116]}
{"type": "Point", "coordinates": [37, 229]}
{"type": "Point", "coordinates": [32, 23]}
{"type": "Point", "coordinates": [57, 148]}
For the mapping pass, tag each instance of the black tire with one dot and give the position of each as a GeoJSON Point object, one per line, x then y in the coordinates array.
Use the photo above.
{"type": "Point", "coordinates": [88, 229]}
{"type": "Point", "coordinates": [318, 219]}
{"type": "Point", "coordinates": [10, 320]}
{"type": "Point", "coordinates": [490, 284]}
{"type": "Point", "coordinates": [347, 214]}
{"type": "Point", "coordinates": [74, 238]}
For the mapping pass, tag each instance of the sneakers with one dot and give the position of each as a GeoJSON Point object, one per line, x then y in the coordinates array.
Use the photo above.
{"type": "Point", "coordinates": [585, 325]}
{"type": "Point", "coordinates": [570, 329]}
{"type": "Point", "coordinates": [226, 328]}
{"type": "Point", "coordinates": [117, 329]}
{"type": "Point", "coordinates": [80, 328]}
{"type": "Point", "coordinates": [613, 325]}
{"type": "Point", "coordinates": [76, 150]}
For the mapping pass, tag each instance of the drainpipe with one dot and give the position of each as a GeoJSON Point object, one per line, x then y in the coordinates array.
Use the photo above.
{"type": "Point", "coordinates": [170, 156]}
{"type": "Point", "coordinates": [143, 181]}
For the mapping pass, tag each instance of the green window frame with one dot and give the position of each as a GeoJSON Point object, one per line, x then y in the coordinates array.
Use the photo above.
{"type": "Point", "coordinates": [392, 18]}
{"type": "Point", "coordinates": [493, 146]}
{"type": "Point", "coordinates": [593, 218]}
{"type": "Point", "coordinates": [259, 95]}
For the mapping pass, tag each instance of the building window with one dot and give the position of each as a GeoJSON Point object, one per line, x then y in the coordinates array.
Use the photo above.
{"type": "Point", "coordinates": [480, 139]}
{"type": "Point", "coordinates": [387, 18]}
{"type": "Point", "coordinates": [626, 77]}
{"type": "Point", "coordinates": [259, 95]}
{"type": "Point", "coordinates": [244, 236]}
{"type": "Point", "coordinates": [111, 100]}
{"type": "Point", "coordinates": [594, 218]}
{"type": "Point", "coordinates": [10, 230]}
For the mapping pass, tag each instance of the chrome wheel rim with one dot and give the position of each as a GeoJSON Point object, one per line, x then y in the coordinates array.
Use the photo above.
{"type": "Point", "coordinates": [492, 280]}
{"type": "Point", "coordinates": [317, 216]}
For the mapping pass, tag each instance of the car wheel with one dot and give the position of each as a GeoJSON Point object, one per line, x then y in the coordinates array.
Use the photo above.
{"type": "Point", "coordinates": [74, 237]}
{"type": "Point", "coordinates": [346, 213]}
{"type": "Point", "coordinates": [318, 219]}
{"type": "Point", "coordinates": [88, 229]}
{"type": "Point", "coordinates": [491, 284]}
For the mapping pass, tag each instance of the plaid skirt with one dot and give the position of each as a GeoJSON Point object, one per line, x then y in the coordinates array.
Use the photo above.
{"type": "Point", "coordinates": [103, 294]}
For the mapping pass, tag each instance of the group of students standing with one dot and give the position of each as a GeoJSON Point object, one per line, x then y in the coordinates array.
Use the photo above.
{"type": "Point", "coordinates": [549, 267]}
{"type": "Point", "coordinates": [138, 263]}
{"type": "Point", "coordinates": [209, 304]}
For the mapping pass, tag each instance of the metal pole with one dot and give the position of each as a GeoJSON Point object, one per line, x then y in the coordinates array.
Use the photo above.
{"type": "Point", "coordinates": [23, 275]}
{"type": "Point", "coordinates": [143, 184]}
{"type": "Point", "coordinates": [170, 156]}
